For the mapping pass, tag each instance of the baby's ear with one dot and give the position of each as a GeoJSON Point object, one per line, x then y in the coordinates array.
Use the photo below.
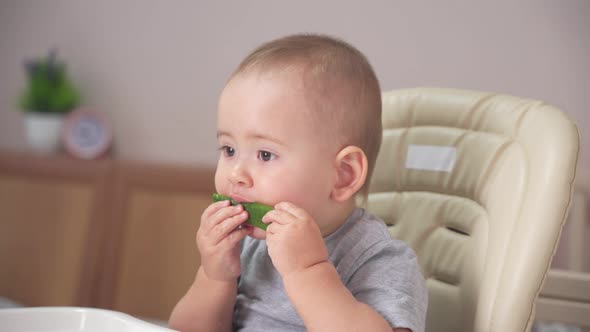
{"type": "Point", "coordinates": [351, 173]}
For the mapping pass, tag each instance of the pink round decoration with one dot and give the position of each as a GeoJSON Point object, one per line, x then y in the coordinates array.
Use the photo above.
{"type": "Point", "coordinates": [87, 134]}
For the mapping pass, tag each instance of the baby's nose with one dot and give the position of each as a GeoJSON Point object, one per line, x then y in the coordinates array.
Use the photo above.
{"type": "Point", "coordinates": [240, 175]}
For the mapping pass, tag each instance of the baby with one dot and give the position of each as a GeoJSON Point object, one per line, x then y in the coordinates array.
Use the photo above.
{"type": "Point", "coordinates": [299, 129]}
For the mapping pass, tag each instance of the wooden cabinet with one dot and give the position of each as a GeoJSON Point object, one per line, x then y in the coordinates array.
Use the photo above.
{"type": "Point", "coordinates": [110, 234]}
{"type": "Point", "coordinates": [51, 220]}
{"type": "Point", "coordinates": [151, 244]}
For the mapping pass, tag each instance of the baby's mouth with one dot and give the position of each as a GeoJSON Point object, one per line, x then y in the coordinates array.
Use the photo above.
{"type": "Point", "coordinates": [236, 199]}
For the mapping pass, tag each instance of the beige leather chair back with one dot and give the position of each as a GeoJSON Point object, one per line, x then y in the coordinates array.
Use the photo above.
{"type": "Point", "coordinates": [479, 185]}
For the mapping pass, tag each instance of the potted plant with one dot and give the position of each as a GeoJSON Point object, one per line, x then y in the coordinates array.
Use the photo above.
{"type": "Point", "coordinates": [47, 98]}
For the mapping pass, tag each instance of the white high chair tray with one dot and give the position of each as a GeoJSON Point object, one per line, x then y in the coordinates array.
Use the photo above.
{"type": "Point", "coordinates": [71, 319]}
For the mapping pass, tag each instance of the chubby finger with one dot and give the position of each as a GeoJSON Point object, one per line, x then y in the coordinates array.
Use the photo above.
{"type": "Point", "coordinates": [271, 230]}
{"type": "Point", "coordinates": [236, 236]}
{"type": "Point", "coordinates": [292, 209]}
{"type": "Point", "coordinates": [257, 233]}
{"type": "Point", "coordinates": [275, 228]}
{"type": "Point", "coordinates": [224, 213]}
{"type": "Point", "coordinates": [222, 230]}
{"type": "Point", "coordinates": [214, 207]}
{"type": "Point", "coordinates": [280, 217]}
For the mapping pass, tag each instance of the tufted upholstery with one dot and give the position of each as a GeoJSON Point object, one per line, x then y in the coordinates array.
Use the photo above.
{"type": "Point", "coordinates": [479, 185]}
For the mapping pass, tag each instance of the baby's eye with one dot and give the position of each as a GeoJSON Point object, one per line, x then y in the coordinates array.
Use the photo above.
{"type": "Point", "coordinates": [228, 151]}
{"type": "Point", "coordinates": [266, 156]}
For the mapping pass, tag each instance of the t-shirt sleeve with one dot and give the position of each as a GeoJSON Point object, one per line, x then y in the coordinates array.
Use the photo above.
{"type": "Point", "coordinates": [387, 277]}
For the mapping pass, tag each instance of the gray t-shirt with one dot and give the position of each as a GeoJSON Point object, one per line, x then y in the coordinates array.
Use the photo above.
{"type": "Point", "coordinates": [378, 270]}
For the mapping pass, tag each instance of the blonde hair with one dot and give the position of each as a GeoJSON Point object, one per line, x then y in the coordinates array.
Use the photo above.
{"type": "Point", "coordinates": [337, 79]}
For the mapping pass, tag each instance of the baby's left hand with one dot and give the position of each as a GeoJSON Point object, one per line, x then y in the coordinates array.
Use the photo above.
{"type": "Point", "coordinates": [294, 239]}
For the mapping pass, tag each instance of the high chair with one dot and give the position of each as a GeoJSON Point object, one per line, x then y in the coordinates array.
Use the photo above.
{"type": "Point", "coordinates": [479, 185]}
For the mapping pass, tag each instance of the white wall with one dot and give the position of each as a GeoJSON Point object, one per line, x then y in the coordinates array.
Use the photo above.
{"type": "Point", "coordinates": [157, 67]}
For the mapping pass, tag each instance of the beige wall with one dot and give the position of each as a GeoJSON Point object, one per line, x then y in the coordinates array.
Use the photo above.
{"type": "Point", "coordinates": [157, 67]}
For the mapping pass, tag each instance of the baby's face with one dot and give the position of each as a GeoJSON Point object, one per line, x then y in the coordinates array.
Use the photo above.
{"type": "Point", "coordinates": [270, 150]}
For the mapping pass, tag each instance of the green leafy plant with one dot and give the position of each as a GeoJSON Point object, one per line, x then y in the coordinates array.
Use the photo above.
{"type": "Point", "coordinates": [49, 90]}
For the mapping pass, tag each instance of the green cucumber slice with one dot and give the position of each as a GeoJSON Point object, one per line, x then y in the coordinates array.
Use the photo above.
{"type": "Point", "coordinates": [255, 210]}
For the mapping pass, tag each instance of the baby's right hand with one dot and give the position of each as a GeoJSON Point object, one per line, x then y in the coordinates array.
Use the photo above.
{"type": "Point", "coordinates": [218, 237]}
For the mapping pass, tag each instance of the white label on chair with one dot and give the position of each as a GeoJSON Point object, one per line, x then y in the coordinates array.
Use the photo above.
{"type": "Point", "coordinates": [431, 157]}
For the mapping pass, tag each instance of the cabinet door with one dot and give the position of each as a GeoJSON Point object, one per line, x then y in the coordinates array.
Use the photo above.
{"type": "Point", "coordinates": [154, 253]}
{"type": "Point", "coordinates": [47, 208]}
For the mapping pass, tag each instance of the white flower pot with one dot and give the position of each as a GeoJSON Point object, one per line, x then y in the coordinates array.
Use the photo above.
{"type": "Point", "coordinates": [43, 131]}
